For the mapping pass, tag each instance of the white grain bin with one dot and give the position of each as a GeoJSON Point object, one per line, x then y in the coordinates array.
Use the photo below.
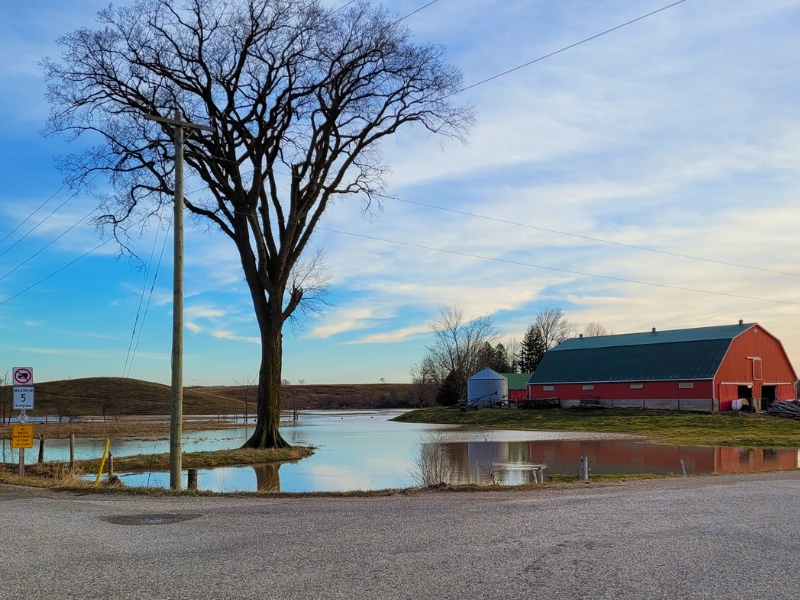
{"type": "Point", "coordinates": [487, 388]}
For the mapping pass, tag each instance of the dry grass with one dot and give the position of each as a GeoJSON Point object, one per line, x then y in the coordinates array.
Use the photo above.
{"type": "Point", "coordinates": [116, 429]}
{"type": "Point", "coordinates": [116, 396]}
{"type": "Point", "coordinates": [202, 460]}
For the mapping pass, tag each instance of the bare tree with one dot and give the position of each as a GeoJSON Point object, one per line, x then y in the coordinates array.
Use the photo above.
{"type": "Point", "coordinates": [457, 346]}
{"type": "Point", "coordinates": [595, 330]}
{"type": "Point", "coordinates": [5, 397]}
{"type": "Point", "coordinates": [299, 96]}
{"type": "Point", "coordinates": [247, 384]}
{"type": "Point", "coordinates": [553, 326]}
{"type": "Point", "coordinates": [423, 383]}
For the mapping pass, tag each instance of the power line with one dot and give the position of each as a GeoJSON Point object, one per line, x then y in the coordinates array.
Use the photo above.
{"type": "Point", "coordinates": [38, 208]}
{"type": "Point", "coordinates": [413, 12]}
{"type": "Point", "coordinates": [600, 240]}
{"type": "Point", "coordinates": [571, 272]}
{"type": "Point", "coordinates": [69, 264]}
{"type": "Point", "coordinates": [149, 297]}
{"type": "Point", "coordinates": [46, 246]}
{"type": "Point", "coordinates": [565, 48]}
{"type": "Point", "coordinates": [141, 301]}
{"type": "Point", "coordinates": [54, 211]}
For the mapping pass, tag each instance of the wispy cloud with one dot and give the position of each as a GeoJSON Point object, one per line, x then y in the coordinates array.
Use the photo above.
{"type": "Point", "coordinates": [391, 336]}
{"type": "Point", "coordinates": [229, 335]}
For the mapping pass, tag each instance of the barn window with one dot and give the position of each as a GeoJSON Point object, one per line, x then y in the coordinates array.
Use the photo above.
{"type": "Point", "coordinates": [588, 387]}
{"type": "Point", "coordinates": [686, 385]}
{"type": "Point", "coordinates": [756, 368]}
{"type": "Point", "coordinates": [548, 388]}
{"type": "Point", "coordinates": [637, 386]}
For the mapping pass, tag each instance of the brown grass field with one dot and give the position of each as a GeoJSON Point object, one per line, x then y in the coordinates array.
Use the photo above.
{"type": "Point", "coordinates": [115, 397]}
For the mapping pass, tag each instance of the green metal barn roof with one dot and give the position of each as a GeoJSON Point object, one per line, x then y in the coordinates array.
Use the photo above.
{"type": "Point", "coordinates": [517, 381]}
{"type": "Point", "coordinates": [660, 355]}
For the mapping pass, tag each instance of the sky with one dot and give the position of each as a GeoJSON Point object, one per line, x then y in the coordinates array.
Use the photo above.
{"type": "Point", "coordinates": [679, 133]}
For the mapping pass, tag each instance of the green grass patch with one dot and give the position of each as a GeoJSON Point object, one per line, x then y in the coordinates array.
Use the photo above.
{"type": "Point", "coordinates": [671, 427]}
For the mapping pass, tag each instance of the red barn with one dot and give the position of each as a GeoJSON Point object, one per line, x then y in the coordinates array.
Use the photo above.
{"type": "Point", "coordinates": [705, 368]}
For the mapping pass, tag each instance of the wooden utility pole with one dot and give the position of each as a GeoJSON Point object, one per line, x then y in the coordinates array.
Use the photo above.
{"type": "Point", "coordinates": [176, 410]}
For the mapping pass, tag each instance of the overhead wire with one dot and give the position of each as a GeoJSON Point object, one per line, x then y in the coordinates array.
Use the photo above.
{"type": "Point", "coordinates": [569, 271]}
{"type": "Point", "coordinates": [565, 48]}
{"type": "Point", "coordinates": [141, 300]}
{"type": "Point", "coordinates": [149, 297]}
{"type": "Point", "coordinates": [54, 211]}
{"type": "Point", "coordinates": [600, 240]}
{"type": "Point", "coordinates": [38, 208]}
{"type": "Point", "coordinates": [53, 241]}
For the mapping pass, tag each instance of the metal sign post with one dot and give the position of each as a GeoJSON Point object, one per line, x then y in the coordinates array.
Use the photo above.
{"type": "Point", "coordinates": [22, 438]}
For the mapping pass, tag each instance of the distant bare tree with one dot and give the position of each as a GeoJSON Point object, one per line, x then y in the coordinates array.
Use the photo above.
{"type": "Point", "coordinates": [513, 349]}
{"type": "Point", "coordinates": [5, 397]}
{"type": "Point", "coordinates": [553, 326]}
{"type": "Point", "coordinates": [424, 384]}
{"type": "Point", "coordinates": [457, 346]}
{"type": "Point", "coordinates": [595, 330]}
{"type": "Point", "coordinates": [247, 385]}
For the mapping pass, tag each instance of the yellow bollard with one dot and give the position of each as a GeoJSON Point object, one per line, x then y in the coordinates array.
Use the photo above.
{"type": "Point", "coordinates": [102, 462]}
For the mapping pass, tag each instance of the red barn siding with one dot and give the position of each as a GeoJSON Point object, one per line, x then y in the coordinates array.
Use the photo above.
{"type": "Point", "coordinates": [737, 368]}
{"type": "Point", "coordinates": [622, 391]}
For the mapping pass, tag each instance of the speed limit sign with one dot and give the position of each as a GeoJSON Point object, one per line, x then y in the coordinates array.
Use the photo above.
{"type": "Point", "coordinates": [23, 398]}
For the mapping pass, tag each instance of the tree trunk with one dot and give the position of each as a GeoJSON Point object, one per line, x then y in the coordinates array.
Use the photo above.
{"type": "Point", "coordinates": [267, 434]}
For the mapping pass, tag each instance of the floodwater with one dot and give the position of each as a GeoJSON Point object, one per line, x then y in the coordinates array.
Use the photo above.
{"type": "Point", "coordinates": [362, 450]}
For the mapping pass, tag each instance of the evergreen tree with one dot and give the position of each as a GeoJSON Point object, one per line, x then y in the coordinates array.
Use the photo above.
{"type": "Point", "coordinates": [531, 350]}
{"type": "Point", "coordinates": [495, 358]}
{"type": "Point", "coordinates": [449, 393]}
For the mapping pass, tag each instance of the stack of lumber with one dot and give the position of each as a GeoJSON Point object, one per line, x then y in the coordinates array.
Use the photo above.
{"type": "Point", "coordinates": [787, 410]}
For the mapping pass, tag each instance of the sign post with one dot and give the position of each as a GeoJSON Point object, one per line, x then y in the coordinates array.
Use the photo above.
{"type": "Point", "coordinates": [22, 438]}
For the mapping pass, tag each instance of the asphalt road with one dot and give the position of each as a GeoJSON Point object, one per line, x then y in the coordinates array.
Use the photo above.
{"type": "Point", "coordinates": [699, 537]}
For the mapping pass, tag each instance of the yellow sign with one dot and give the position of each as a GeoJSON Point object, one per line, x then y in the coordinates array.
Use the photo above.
{"type": "Point", "coordinates": [22, 436]}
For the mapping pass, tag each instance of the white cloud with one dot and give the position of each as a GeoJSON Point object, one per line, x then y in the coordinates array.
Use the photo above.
{"type": "Point", "coordinates": [391, 336]}
{"type": "Point", "coordinates": [229, 335]}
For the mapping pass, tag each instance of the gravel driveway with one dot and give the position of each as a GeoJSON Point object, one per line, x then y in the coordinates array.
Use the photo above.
{"type": "Point", "coordinates": [698, 537]}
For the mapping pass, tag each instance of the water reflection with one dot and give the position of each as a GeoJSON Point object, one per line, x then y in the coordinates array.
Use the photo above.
{"type": "Point", "coordinates": [512, 463]}
{"type": "Point", "coordinates": [267, 478]}
{"type": "Point", "coordinates": [365, 450]}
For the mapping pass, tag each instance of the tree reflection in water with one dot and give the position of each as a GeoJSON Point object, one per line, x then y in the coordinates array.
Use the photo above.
{"type": "Point", "coordinates": [267, 478]}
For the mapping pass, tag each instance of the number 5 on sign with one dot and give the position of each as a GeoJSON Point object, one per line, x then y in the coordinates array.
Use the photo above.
{"type": "Point", "coordinates": [23, 398]}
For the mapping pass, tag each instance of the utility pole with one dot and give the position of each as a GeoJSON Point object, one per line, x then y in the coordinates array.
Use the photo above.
{"type": "Point", "coordinates": [176, 408]}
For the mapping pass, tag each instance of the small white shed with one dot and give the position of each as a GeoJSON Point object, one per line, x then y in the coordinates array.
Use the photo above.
{"type": "Point", "coordinates": [487, 388]}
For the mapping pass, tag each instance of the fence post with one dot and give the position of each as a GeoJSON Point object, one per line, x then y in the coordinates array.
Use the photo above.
{"type": "Point", "coordinates": [71, 452]}
{"type": "Point", "coordinates": [41, 449]}
{"type": "Point", "coordinates": [584, 471]}
{"type": "Point", "coordinates": [191, 479]}
{"type": "Point", "coordinates": [683, 468]}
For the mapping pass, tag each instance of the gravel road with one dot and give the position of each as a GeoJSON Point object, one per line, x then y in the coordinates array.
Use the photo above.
{"type": "Point", "coordinates": [698, 537]}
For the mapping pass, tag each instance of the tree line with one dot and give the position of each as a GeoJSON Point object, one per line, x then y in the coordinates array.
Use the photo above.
{"type": "Point", "coordinates": [463, 346]}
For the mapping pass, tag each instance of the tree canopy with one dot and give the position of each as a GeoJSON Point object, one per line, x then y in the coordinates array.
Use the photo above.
{"type": "Point", "coordinates": [299, 97]}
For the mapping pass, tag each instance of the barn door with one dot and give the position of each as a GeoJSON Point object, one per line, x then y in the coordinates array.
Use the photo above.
{"type": "Point", "coordinates": [728, 392]}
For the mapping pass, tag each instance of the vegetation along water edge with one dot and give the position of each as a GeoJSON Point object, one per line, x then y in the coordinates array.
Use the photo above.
{"type": "Point", "coordinates": [661, 426]}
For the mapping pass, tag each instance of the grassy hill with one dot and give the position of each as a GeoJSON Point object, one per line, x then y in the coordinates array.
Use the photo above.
{"type": "Point", "coordinates": [116, 396]}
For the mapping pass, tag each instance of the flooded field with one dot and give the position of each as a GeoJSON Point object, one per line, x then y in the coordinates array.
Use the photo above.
{"type": "Point", "coordinates": [361, 450]}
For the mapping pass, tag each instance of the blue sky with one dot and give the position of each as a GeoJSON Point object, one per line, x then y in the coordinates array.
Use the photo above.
{"type": "Point", "coordinates": [679, 133]}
